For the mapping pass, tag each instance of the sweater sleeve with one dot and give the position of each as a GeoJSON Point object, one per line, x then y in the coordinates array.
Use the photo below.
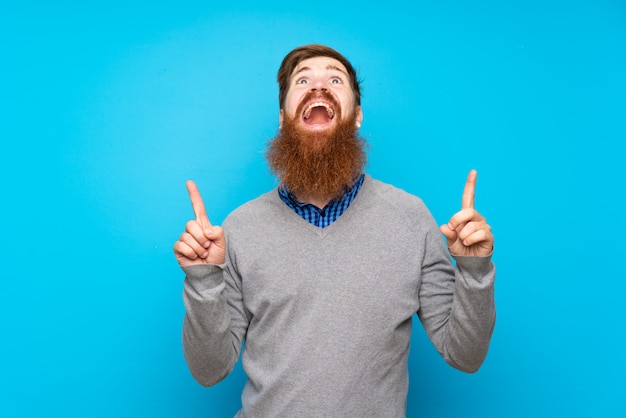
{"type": "Point", "coordinates": [457, 306]}
{"type": "Point", "coordinates": [214, 324]}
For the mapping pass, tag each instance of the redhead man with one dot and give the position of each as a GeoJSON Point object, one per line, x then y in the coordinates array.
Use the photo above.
{"type": "Point", "coordinates": [322, 275]}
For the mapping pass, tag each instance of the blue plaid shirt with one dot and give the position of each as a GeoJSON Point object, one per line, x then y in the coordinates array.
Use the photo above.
{"type": "Point", "coordinates": [321, 217]}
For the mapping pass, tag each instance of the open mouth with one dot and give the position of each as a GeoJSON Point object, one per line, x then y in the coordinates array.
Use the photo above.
{"type": "Point", "coordinates": [318, 113]}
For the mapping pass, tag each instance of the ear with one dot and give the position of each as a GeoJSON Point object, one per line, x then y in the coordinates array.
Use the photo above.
{"type": "Point", "coordinates": [281, 116]}
{"type": "Point", "coordinates": [359, 117]}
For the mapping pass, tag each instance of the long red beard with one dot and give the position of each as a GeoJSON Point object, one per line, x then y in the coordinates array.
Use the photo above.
{"type": "Point", "coordinates": [320, 165]}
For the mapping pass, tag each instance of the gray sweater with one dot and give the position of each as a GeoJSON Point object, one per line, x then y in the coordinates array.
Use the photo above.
{"type": "Point", "coordinates": [326, 314]}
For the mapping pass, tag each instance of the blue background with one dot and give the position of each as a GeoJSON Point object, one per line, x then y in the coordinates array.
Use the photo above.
{"type": "Point", "coordinates": [107, 108]}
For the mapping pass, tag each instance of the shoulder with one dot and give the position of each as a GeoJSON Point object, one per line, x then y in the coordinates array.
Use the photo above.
{"type": "Point", "coordinates": [395, 206]}
{"type": "Point", "coordinates": [394, 197]}
{"type": "Point", "coordinates": [257, 210]}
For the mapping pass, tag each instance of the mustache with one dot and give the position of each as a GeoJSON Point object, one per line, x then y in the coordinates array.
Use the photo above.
{"type": "Point", "coordinates": [321, 94]}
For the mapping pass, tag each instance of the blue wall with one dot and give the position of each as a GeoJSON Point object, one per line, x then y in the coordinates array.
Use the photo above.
{"type": "Point", "coordinates": [107, 108]}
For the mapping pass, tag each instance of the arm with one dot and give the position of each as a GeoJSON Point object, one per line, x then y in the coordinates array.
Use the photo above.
{"type": "Point", "coordinates": [214, 323]}
{"type": "Point", "coordinates": [458, 308]}
{"type": "Point", "coordinates": [211, 348]}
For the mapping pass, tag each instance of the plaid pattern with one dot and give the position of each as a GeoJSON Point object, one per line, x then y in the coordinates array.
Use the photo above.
{"type": "Point", "coordinates": [321, 217]}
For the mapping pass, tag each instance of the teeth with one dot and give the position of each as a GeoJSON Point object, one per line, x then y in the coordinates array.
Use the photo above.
{"type": "Point", "coordinates": [307, 112]}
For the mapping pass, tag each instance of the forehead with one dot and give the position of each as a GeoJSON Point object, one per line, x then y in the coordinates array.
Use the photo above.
{"type": "Point", "coordinates": [318, 64]}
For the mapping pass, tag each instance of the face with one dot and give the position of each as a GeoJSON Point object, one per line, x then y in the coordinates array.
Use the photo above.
{"type": "Point", "coordinates": [320, 95]}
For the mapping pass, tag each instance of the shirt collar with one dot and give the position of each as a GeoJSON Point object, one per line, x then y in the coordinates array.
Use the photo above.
{"type": "Point", "coordinates": [350, 194]}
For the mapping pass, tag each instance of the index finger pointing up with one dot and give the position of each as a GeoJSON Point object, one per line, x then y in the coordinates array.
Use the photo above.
{"type": "Point", "coordinates": [468, 192]}
{"type": "Point", "coordinates": [198, 205]}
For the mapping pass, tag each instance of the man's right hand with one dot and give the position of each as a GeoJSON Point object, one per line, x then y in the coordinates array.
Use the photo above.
{"type": "Point", "coordinates": [201, 243]}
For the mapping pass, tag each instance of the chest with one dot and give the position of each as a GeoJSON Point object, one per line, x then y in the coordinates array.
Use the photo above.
{"type": "Point", "coordinates": [337, 279]}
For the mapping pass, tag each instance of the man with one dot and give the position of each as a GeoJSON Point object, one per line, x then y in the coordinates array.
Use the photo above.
{"type": "Point", "coordinates": [321, 276]}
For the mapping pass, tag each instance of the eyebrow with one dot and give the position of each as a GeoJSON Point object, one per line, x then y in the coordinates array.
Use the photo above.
{"type": "Point", "coordinates": [328, 67]}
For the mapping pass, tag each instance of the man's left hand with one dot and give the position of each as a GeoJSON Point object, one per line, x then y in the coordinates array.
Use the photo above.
{"type": "Point", "coordinates": [467, 232]}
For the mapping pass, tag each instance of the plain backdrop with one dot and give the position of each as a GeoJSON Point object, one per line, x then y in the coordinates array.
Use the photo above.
{"type": "Point", "coordinates": [106, 108]}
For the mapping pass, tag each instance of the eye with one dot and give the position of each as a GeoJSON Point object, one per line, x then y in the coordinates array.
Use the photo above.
{"type": "Point", "coordinates": [302, 81]}
{"type": "Point", "coordinates": [336, 80]}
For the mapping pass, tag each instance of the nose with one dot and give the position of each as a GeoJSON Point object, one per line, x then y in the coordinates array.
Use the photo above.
{"type": "Point", "coordinates": [318, 85]}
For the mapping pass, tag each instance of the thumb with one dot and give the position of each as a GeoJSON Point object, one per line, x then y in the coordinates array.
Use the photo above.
{"type": "Point", "coordinates": [450, 234]}
{"type": "Point", "coordinates": [216, 234]}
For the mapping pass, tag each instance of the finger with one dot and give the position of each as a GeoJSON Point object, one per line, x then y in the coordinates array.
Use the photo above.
{"type": "Point", "coordinates": [470, 228]}
{"type": "Point", "coordinates": [464, 216]}
{"type": "Point", "coordinates": [478, 237]}
{"type": "Point", "coordinates": [195, 230]}
{"type": "Point", "coordinates": [192, 243]}
{"type": "Point", "coordinates": [198, 205]}
{"type": "Point", "coordinates": [468, 192]}
{"type": "Point", "coordinates": [182, 250]}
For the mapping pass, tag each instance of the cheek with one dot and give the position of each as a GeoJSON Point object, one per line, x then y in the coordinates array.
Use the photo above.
{"type": "Point", "coordinates": [347, 98]}
{"type": "Point", "coordinates": [291, 104]}
{"type": "Point", "coordinates": [348, 105]}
